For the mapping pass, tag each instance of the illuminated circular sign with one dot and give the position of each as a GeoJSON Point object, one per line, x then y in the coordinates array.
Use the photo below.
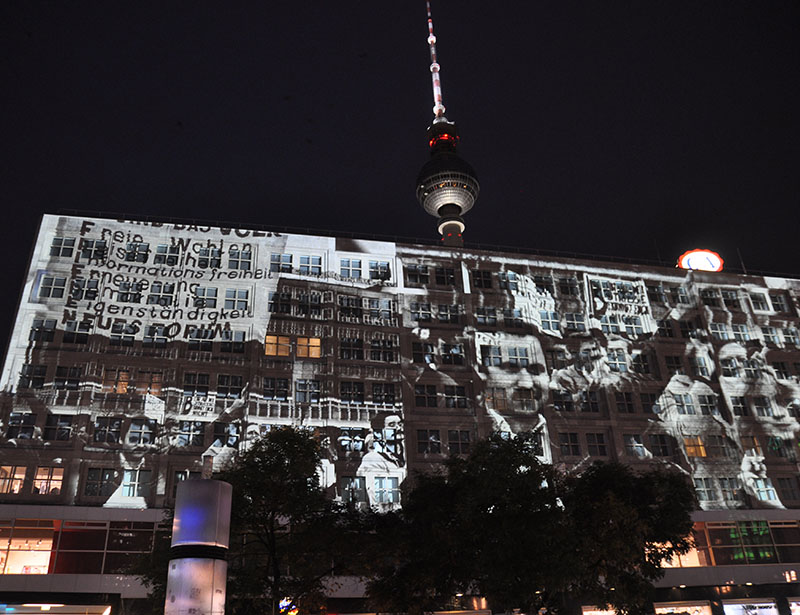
{"type": "Point", "coordinates": [700, 260]}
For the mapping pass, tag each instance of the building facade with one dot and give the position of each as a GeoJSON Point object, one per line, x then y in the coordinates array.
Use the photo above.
{"type": "Point", "coordinates": [144, 352]}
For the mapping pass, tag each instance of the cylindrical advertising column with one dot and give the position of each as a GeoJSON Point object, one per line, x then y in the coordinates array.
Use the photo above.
{"type": "Point", "coordinates": [200, 540]}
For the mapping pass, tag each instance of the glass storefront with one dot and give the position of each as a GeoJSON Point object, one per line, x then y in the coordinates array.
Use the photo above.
{"type": "Point", "coordinates": [749, 607]}
{"type": "Point", "coordinates": [682, 608]}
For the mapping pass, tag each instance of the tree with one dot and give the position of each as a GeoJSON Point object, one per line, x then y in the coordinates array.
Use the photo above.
{"type": "Point", "coordinates": [500, 524]}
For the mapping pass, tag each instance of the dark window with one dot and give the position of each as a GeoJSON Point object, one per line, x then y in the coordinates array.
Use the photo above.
{"type": "Point", "coordinates": [93, 249]}
{"type": "Point", "coordinates": [425, 395]}
{"type": "Point", "coordinates": [229, 386]}
{"type": "Point", "coordinates": [421, 352]}
{"type": "Point", "coordinates": [659, 445]}
{"type": "Point", "coordinates": [84, 289]}
{"type": "Point", "coordinates": [167, 255]}
{"type": "Point", "coordinates": [589, 401]}
{"type": "Point", "coordinates": [195, 384]}
{"type": "Point", "coordinates": [568, 443]}
{"type": "Point", "coordinates": [352, 392]}
{"type": "Point", "coordinates": [481, 279]}
{"type": "Point", "coordinates": [455, 397]}
{"type": "Point", "coordinates": [107, 429]}
{"type": "Point", "coordinates": [458, 441]}
{"type": "Point", "coordinates": [276, 388]}
{"type": "Point", "coordinates": [306, 391]}
{"type": "Point", "coordinates": [421, 311]}
{"type": "Point", "coordinates": [449, 313]}
{"type": "Point", "coordinates": [508, 280]}
{"type": "Point", "coordinates": [137, 252]}
{"type": "Point", "coordinates": [428, 441]}
{"type": "Point", "coordinates": [42, 330]}
{"type": "Point", "coordinates": [240, 259]}
{"type": "Point", "coordinates": [100, 481]}
{"type": "Point", "coordinates": [232, 341]}
{"type": "Point", "coordinates": [382, 350]}
{"type": "Point", "coordinates": [445, 276]}
{"type": "Point", "coordinates": [129, 292]}
{"type": "Point", "coordinates": [191, 433]}
{"type": "Point", "coordinates": [200, 338]}
{"type": "Point", "coordinates": [76, 332]}
{"type": "Point", "coordinates": [417, 274]}
{"type": "Point", "coordinates": [62, 246]}
{"type": "Point", "coordinates": [21, 425]}
{"type": "Point", "coordinates": [453, 354]}
{"type": "Point", "coordinates": [154, 336]}
{"type": "Point", "coordinates": [624, 401]}
{"type": "Point", "coordinates": [486, 316]}
{"type": "Point", "coordinates": [32, 376]}
{"type": "Point", "coordinates": [596, 444]}
{"type": "Point", "coordinates": [205, 297]}
{"type": "Point", "coordinates": [209, 258]}
{"type": "Point", "coordinates": [351, 348]}
{"type": "Point", "coordinates": [67, 378]}
{"type": "Point", "coordinates": [383, 393]}
{"type": "Point", "coordinates": [58, 427]}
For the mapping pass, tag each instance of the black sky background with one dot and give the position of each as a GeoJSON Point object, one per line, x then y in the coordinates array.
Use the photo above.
{"type": "Point", "coordinates": [631, 129]}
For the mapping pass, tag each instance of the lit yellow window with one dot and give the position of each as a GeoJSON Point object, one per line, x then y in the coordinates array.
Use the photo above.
{"type": "Point", "coordinates": [277, 346]}
{"type": "Point", "coordinates": [694, 446]}
{"type": "Point", "coordinates": [48, 480]}
{"type": "Point", "coordinates": [117, 381]}
{"type": "Point", "coordinates": [309, 347]}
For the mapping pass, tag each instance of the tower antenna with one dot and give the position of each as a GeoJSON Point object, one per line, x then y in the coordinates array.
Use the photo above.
{"type": "Point", "coordinates": [438, 106]}
{"type": "Point", "coordinates": [446, 186]}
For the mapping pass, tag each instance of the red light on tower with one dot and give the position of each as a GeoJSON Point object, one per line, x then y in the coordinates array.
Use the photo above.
{"type": "Point", "coordinates": [700, 260]}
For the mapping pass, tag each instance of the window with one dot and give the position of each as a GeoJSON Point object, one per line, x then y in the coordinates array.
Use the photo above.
{"type": "Point", "coordinates": [309, 347]}
{"type": "Point", "coordinates": [67, 378]}
{"type": "Point", "coordinates": [62, 246]}
{"type": "Point", "coordinates": [709, 296]}
{"type": "Point", "coordinates": [351, 392]}
{"type": "Point", "coordinates": [417, 274]}
{"type": "Point", "coordinates": [351, 348]}
{"type": "Point", "coordinates": [609, 323]}
{"type": "Point", "coordinates": [279, 302]}
{"type": "Point", "coordinates": [674, 365]}
{"type": "Point", "coordinates": [76, 332]}
{"type": "Point", "coordinates": [688, 329]}
{"type": "Point", "coordinates": [708, 404]}
{"type": "Point", "coordinates": [354, 489]}
{"type": "Point", "coordinates": [195, 384]}
{"type": "Point", "coordinates": [226, 434]}
{"type": "Point", "coordinates": [633, 325]}
{"type": "Point", "coordinates": [240, 259]}
{"type": "Point", "coordinates": [624, 400]}
{"type": "Point", "coordinates": [191, 433]}
{"type": "Point", "coordinates": [93, 249]}
{"type": "Point", "coordinates": [752, 368]}
{"type": "Point", "coordinates": [449, 314]}
{"type": "Point", "coordinates": [575, 322]}
{"type": "Point", "coordinates": [684, 403]}
{"type": "Point", "coordinates": [154, 336]}
{"type": "Point", "coordinates": [563, 401]}
{"type": "Point", "coordinates": [276, 388]}
{"type": "Point", "coordinates": [137, 252]}
{"type": "Point", "coordinates": [209, 258]}
{"type": "Point", "coordinates": [759, 301]}
{"type": "Point", "coordinates": [458, 441]}
{"type": "Point", "coordinates": [52, 286]}
{"type": "Point", "coordinates": [425, 395]}
{"type": "Point", "coordinates": [781, 370]}
{"type": "Point", "coordinates": [100, 481]}
{"type": "Point", "coordinates": [596, 444]}
{"type": "Point", "coordinates": [557, 359]}
{"type": "Point", "coordinates": [12, 478]}
{"type": "Point", "coordinates": [731, 489]}
{"type": "Point", "coordinates": [236, 299]}
{"type": "Point", "coordinates": [779, 302]}
{"type": "Point", "coordinates": [739, 406]}
{"type": "Point", "coordinates": [589, 401]}
{"type": "Point", "coordinates": [791, 336]}
{"type": "Point", "coordinates": [544, 283]}
{"type": "Point", "coordinates": [141, 431]}
{"type": "Point", "coordinates": [719, 446]}
{"type": "Point", "coordinates": [568, 443]}
{"type": "Point", "coordinates": [350, 268]}
{"type": "Point", "coordinates": [421, 312]}
{"type": "Point", "coordinates": [764, 489]}
{"type": "Point", "coordinates": [486, 316]}
{"type": "Point", "coordinates": [455, 397]}
{"type": "Point", "coordinates": [719, 331]}
{"type": "Point", "coordinates": [740, 333]}
{"type": "Point", "coordinates": [181, 475]}
{"type": "Point", "coordinates": [730, 367]}
{"type": "Point", "coordinates": [21, 426]}
{"type": "Point", "coordinates": [310, 265]}
{"type": "Point", "coordinates": [277, 346]}
{"type": "Point", "coordinates": [387, 490]}
{"type": "Point", "coordinates": [523, 400]}
{"type": "Point", "coordinates": [309, 304]}
{"type": "Point", "coordinates": [770, 335]}
{"type": "Point", "coordinates": [650, 403]}
{"type": "Point", "coordinates": [694, 446]}
{"type": "Point", "coordinates": [122, 334]}
{"type": "Point", "coordinates": [481, 279]}
{"type": "Point", "coordinates": [704, 488]}
{"type": "Point", "coordinates": [617, 362]}
{"type": "Point", "coordinates": [205, 297]}
{"type": "Point", "coordinates": [491, 355]}
{"type": "Point", "coordinates": [518, 356]}
{"type": "Point", "coordinates": [136, 483]}
{"type": "Point", "coordinates": [698, 367]}
{"type": "Point", "coordinates": [229, 386]}
{"type": "Point", "coordinates": [787, 486]}
{"type": "Point", "coordinates": [428, 441]}
{"type": "Point", "coordinates": [679, 295]}
{"type": "Point", "coordinates": [107, 429]}
{"type": "Point", "coordinates": [508, 280]}
{"type": "Point", "coordinates": [762, 406]}
{"type": "Point", "coordinates": [453, 354]}
{"type": "Point", "coordinates": [379, 270]}
{"type": "Point", "coordinates": [84, 289]}
{"type": "Point", "coordinates": [129, 292]}
{"type": "Point", "coordinates": [382, 350]}
{"type": "Point", "coordinates": [496, 398]}
{"type": "Point", "coordinates": [640, 363]}
{"type": "Point", "coordinates": [731, 299]}
{"type": "Point", "coordinates": [117, 381]}
{"type": "Point", "coordinates": [32, 376]}
{"type": "Point", "coordinates": [200, 338]}
{"type": "Point", "coordinates": [659, 445]}
{"type": "Point", "coordinates": [550, 320]}
{"type": "Point", "coordinates": [569, 287]}
{"type": "Point", "coordinates": [232, 341]}
{"type": "Point", "coordinates": [280, 263]}
{"type": "Point", "coordinates": [167, 255]}
{"type": "Point", "coordinates": [422, 352]}
{"type": "Point", "coordinates": [42, 330]}
{"type": "Point", "coordinates": [445, 276]}
{"type": "Point", "coordinates": [750, 444]}
{"type": "Point", "coordinates": [634, 446]}
{"type": "Point", "coordinates": [306, 391]}
{"type": "Point", "coordinates": [352, 439]}
{"type": "Point", "coordinates": [383, 393]}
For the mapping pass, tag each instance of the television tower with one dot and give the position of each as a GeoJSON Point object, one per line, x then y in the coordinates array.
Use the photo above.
{"type": "Point", "coordinates": [447, 185]}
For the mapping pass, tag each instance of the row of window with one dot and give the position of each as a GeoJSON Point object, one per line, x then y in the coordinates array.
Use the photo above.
{"type": "Point", "coordinates": [730, 298]}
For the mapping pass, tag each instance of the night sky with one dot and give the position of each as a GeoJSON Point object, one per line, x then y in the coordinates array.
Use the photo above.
{"type": "Point", "coordinates": [632, 129]}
